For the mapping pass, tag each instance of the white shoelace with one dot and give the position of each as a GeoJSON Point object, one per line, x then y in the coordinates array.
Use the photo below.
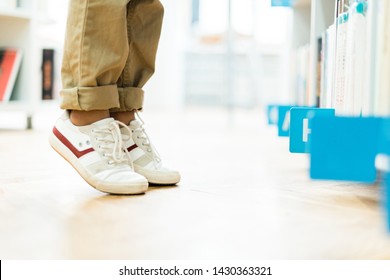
{"type": "Point", "coordinates": [146, 141]}
{"type": "Point", "coordinates": [113, 146]}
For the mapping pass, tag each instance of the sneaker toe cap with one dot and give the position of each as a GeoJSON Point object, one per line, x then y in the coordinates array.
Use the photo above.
{"type": "Point", "coordinates": [163, 175]}
{"type": "Point", "coordinates": [123, 181]}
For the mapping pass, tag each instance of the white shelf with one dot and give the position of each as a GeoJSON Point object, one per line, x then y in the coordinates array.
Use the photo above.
{"type": "Point", "coordinates": [301, 25]}
{"type": "Point", "coordinates": [18, 30]}
{"type": "Point", "coordinates": [18, 13]}
{"type": "Point", "coordinates": [16, 105]}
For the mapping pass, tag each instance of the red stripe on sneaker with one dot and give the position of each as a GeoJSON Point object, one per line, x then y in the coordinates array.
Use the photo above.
{"type": "Point", "coordinates": [69, 145]}
{"type": "Point", "coordinates": [129, 149]}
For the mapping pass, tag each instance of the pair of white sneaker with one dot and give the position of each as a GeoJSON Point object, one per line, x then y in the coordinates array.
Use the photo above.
{"type": "Point", "coordinates": [111, 156]}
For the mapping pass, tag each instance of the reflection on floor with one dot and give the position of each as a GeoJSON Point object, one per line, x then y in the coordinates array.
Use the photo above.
{"type": "Point", "coordinates": [243, 196]}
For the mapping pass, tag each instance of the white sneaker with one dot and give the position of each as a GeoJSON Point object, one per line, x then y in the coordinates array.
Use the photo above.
{"type": "Point", "coordinates": [97, 153]}
{"type": "Point", "coordinates": [146, 159]}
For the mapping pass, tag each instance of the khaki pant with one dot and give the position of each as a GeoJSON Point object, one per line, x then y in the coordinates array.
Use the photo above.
{"type": "Point", "coordinates": [109, 54]}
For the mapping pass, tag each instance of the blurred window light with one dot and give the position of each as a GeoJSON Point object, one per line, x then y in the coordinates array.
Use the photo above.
{"type": "Point", "coordinates": [195, 11]}
{"type": "Point", "coordinates": [257, 18]}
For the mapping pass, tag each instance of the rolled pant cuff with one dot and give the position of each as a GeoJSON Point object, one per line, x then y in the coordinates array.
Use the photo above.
{"type": "Point", "coordinates": [130, 98]}
{"type": "Point", "coordinates": [90, 98]}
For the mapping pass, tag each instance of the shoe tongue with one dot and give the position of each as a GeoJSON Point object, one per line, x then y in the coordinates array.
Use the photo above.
{"type": "Point", "coordinates": [97, 124]}
{"type": "Point", "coordinates": [135, 124]}
{"type": "Point", "coordinates": [103, 122]}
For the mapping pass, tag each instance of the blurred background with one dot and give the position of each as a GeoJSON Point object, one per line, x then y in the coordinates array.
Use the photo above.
{"type": "Point", "coordinates": [220, 53]}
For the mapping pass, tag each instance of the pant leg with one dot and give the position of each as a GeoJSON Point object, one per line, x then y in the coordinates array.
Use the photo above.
{"type": "Point", "coordinates": [144, 21]}
{"type": "Point", "coordinates": [95, 53]}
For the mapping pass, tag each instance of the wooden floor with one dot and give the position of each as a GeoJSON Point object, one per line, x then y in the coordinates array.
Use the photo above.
{"type": "Point", "coordinates": [242, 196]}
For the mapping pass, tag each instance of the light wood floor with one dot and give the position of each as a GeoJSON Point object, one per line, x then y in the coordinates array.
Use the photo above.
{"type": "Point", "coordinates": [242, 196]}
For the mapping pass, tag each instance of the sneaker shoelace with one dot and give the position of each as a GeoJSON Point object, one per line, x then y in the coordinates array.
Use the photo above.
{"type": "Point", "coordinates": [109, 139]}
{"type": "Point", "coordinates": [141, 134]}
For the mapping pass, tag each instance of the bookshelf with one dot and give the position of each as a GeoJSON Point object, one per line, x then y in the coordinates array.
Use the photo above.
{"type": "Point", "coordinates": [348, 68]}
{"type": "Point", "coordinates": [358, 78]}
{"type": "Point", "coordinates": [311, 20]}
{"type": "Point", "coordinates": [17, 25]}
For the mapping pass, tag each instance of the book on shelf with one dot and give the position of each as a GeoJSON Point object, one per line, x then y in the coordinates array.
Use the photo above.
{"type": "Point", "coordinates": [382, 82]}
{"type": "Point", "coordinates": [340, 66]}
{"type": "Point", "coordinates": [328, 66]}
{"type": "Point", "coordinates": [10, 60]}
{"type": "Point", "coordinates": [47, 74]}
{"type": "Point", "coordinates": [320, 62]}
{"type": "Point", "coordinates": [356, 58]}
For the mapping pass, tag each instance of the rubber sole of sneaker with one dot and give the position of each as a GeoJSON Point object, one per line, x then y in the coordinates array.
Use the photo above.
{"type": "Point", "coordinates": [62, 150]}
{"type": "Point", "coordinates": [159, 178]}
